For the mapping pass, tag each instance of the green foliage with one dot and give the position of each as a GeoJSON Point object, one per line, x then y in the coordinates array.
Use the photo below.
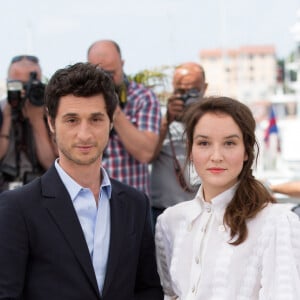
{"type": "Point", "coordinates": [158, 79]}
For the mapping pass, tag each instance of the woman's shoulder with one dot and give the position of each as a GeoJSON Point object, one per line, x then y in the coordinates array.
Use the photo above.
{"type": "Point", "coordinates": [278, 218]}
{"type": "Point", "coordinates": [178, 215]}
{"type": "Point", "coordinates": [180, 210]}
{"type": "Point", "coordinates": [278, 210]}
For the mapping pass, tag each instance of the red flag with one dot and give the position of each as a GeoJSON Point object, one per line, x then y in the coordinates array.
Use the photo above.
{"type": "Point", "coordinates": [272, 129]}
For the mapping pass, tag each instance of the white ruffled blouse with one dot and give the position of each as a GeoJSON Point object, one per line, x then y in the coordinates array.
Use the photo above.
{"type": "Point", "coordinates": [196, 262]}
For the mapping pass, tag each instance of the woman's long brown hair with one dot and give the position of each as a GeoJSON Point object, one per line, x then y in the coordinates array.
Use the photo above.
{"type": "Point", "coordinates": [251, 196]}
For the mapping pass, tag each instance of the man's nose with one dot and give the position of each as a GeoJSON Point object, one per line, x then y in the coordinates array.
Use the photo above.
{"type": "Point", "coordinates": [84, 130]}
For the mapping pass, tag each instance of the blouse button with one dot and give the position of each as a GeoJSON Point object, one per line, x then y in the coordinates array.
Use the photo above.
{"type": "Point", "coordinates": [189, 228]}
{"type": "Point", "coordinates": [221, 228]}
{"type": "Point", "coordinates": [208, 209]}
{"type": "Point", "coordinates": [197, 260]}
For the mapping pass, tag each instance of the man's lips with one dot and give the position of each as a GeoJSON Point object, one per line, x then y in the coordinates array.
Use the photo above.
{"type": "Point", "coordinates": [84, 148]}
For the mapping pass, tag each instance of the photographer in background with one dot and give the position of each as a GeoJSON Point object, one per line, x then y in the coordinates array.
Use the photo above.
{"type": "Point", "coordinates": [171, 182]}
{"type": "Point", "coordinates": [26, 147]}
{"type": "Point", "coordinates": [136, 124]}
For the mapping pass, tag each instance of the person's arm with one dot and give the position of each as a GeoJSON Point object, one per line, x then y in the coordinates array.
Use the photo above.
{"type": "Point", "coordinates": [175, 108]}
{"type": "Point", "coordinates": [45, 148]}
{"type": "Point", "coordinates": [291, 189]}
{"type": "Point", "coordinates": [140, 139]}
{"type": "Point", "coordinates": [140, 144]}
{"type": "Point", "coordinates": [14, 248]}
{"type": "Point", "coordinates": [163, 258]}
{"type": "Point", "coordinates": [280, 266]}
{"type": "Point", "coordinates": [5, 130]}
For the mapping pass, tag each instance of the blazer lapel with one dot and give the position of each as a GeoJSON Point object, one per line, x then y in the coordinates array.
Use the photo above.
{"type": "Point", "coordinates": [118, 213]}
{"type": "Point", "coordinates": [57, 201]}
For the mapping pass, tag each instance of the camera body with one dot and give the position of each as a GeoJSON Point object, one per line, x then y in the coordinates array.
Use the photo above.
{"type": "Point", "coordinates": [190, 96]}
{"type": "Point", "coordinates": [34, 92]}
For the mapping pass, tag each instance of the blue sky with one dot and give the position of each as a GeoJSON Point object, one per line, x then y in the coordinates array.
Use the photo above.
{"type": "Point", "coordinates": [150, 33]}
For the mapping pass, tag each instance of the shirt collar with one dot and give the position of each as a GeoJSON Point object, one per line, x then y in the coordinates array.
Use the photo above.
{"type": "Point", "coordinates": [74, 188]}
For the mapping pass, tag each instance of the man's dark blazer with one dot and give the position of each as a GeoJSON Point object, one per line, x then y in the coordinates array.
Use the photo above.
{"type": "Point", "coordinates": [44, 255]}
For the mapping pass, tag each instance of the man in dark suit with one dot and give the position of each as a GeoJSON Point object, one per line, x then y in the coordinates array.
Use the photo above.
{"type": "Point", "coordinates": [74, 233]}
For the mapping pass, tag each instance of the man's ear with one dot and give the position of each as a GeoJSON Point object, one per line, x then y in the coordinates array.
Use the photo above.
{"type": "Point", "coordinates": [50, 123]}
{"type": "Point", "coordinates": [205, 88]}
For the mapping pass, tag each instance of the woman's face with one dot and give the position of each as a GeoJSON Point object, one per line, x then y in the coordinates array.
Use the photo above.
{"type": "Point", "coordinates": [218, 152]}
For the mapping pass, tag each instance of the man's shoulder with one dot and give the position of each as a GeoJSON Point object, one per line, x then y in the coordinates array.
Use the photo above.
{"type": "Point", "coordinates": [118, 186]}
{"type": "Point", "coordinates": [136, 89]}
{"type": "Point", "coordinates": [123, 195]}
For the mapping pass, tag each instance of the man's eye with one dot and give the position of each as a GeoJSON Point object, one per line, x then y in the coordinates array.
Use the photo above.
{"type": "Point", "coordinates": [96, 119]}
{"type": "Point", "coordinates": [180, 91]}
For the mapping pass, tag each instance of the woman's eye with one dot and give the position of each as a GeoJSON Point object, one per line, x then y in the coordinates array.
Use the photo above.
{"type": "Point", "coordinates": [229, 143]}
{"type": "Point", "coordinates": [202, 143]}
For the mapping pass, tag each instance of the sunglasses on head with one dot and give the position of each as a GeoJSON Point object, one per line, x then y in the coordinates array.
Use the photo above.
{"type": "Point", "coordinates": [31, 58]}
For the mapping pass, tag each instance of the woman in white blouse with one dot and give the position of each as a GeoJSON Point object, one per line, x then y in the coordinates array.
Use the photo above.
{"type": "Point", "coordinates": [232, 242]}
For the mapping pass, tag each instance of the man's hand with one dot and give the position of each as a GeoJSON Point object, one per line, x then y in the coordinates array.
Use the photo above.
{"type": "Point", "coordinates": [7, 111]}
{"type": "Point", "coordinates": [175, 108]}
{"type": "Point", "coordinates": [32, 112]}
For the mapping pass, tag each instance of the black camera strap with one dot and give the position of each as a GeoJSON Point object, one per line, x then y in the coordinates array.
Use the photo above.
{"type": "Point", "coordinates": [25, 142]}
{"type": "Point", "coordinates": [31, 147]}
{"type": "Point", "coordinates": [177, 167]}
{"type": "Point", "coordinates": [18, 145]}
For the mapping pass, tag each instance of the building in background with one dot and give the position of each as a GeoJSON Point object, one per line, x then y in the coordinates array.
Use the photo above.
{"type": "Point", "coordinates": [247, 73]}
{"type": "Point", "coordinates": [255, 76]}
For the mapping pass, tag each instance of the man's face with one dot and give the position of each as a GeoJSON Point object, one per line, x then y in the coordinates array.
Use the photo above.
{"type": "Point", "coordinates": [105, 55]}
{"type": "Point", "coordinates": [188, 78]}
{"type": "Point", "coordinates": [21, 71]}
{"type": "Point", "coordinates": [81, 130]}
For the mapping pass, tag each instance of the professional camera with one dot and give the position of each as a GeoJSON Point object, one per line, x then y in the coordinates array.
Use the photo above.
{"type": "Point", "coordinates": [34, 92]}
{"type": "Point", "coordinates": [190, 96]}
{"type": "Point", "coordinates": [14, 94]}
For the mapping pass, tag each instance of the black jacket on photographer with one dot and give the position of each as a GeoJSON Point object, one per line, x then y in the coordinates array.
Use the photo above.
{"type": "Point", "coordinates": [20, 164]}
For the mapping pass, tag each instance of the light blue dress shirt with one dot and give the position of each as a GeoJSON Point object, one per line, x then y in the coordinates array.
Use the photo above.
{"type": "Point", "coordinates": [95, 221]}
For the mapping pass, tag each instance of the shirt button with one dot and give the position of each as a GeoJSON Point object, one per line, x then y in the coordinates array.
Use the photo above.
{"type": "Point", "coordinates": [193, 289]}
{"type": "Point", "coordinates": [189, 228]}
{"type": "Point", "coordinates": [197, 260]}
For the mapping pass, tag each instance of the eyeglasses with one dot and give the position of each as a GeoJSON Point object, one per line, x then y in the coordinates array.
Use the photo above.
{"type": "Point", "coordinates": [31, 58]}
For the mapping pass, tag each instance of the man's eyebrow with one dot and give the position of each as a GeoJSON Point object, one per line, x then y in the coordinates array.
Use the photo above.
{"type": "Point", "coordinates": [70, 114]}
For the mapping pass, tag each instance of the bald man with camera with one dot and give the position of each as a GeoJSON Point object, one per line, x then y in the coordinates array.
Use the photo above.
{"type": "Point", "coordinates": [171, 182]}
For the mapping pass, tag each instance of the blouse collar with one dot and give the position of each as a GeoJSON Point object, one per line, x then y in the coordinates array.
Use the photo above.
{"type": "Point", "coordinates": [218, 204]}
